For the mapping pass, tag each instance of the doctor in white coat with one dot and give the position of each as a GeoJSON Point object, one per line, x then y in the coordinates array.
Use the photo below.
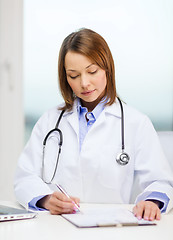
{"type": "Point", "coordinates": [91, 127]}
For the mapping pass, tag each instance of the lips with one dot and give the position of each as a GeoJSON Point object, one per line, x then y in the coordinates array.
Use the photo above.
{"type": "Point", "coordinates": [87, 93]}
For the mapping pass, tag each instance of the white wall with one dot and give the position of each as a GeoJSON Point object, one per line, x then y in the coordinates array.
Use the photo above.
{"type": "Point", "coordinates": [11, 104]}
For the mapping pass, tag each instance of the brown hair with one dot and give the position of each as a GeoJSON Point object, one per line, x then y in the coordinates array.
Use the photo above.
{"type": "Point", "coordinates": [93, 46]}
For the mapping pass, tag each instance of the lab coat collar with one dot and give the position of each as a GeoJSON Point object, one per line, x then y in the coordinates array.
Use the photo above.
{"type": "Point", "coordinates": [114, 109]}
{"type": "Point", "coordinates": [73, 110]}
{"type": "Point", "coordinates": [72, 117]}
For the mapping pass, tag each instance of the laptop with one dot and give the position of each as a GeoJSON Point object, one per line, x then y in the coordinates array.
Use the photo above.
{"type": "Point", "coordinates": [10, 213]}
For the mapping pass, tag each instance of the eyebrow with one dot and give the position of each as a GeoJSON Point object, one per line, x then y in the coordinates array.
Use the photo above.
{"type": "Point", "coordinates": [90, 65]}
{"type": "Point", "coordinates": [85, 68]}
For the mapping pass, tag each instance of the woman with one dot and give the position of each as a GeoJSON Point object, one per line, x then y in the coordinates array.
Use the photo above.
{"type": "Point", "coordinates": [91, 127]}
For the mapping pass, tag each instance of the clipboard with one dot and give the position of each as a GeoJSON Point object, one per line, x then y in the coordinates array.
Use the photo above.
{"type": "Point", "coordinates": [111, 217]}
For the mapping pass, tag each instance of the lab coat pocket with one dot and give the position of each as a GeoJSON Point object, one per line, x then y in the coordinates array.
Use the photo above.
{"type": "Point", "coordinates": [111, 174]}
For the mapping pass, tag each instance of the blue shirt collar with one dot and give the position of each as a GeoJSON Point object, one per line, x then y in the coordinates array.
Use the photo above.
{"type": "Point", "coordinates": [96, 111]}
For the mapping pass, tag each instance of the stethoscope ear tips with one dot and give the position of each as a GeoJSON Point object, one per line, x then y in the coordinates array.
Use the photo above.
{"type": "Point", "coordinates": [123, 158]}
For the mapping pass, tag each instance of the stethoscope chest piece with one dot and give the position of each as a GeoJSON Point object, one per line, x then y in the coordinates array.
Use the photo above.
{"type": "Point", "coordinates": [122, 158]}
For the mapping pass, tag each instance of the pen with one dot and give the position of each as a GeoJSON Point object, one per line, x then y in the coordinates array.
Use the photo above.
{"type": "Point", "coordinates": [64, 192]}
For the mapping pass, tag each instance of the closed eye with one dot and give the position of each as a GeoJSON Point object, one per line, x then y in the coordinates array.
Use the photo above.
{"type": "Point", "coordinates": [73, 77]}
{"type": "Point", "coordinates": [93, 72]}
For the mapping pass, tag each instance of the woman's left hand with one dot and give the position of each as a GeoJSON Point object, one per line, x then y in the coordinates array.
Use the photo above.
{"type": "Point", "coordinates": [147, 210]}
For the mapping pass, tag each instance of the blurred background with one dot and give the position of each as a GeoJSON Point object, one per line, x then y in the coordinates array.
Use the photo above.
{"type": "Point", "coordinates": [139, 34]}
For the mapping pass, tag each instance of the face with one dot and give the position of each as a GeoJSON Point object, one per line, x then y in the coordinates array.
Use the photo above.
{"type": "Point", "coordinates": [86, 79]}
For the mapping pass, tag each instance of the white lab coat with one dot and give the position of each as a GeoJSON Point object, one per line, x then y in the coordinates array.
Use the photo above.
{"type": "Point", "coordinates": [93, 174]}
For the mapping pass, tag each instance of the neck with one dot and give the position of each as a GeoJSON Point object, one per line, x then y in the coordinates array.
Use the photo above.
{"type": "Point", "coordinates": [90, 105]}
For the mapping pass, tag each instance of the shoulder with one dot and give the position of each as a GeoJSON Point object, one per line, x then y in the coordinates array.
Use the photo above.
{"type": "Point", "coordinates": [50, 117]}
{"type": "Point", "coordinates": [53, 112]}
{"type": "Point", "coordinates": [137, 119]}
{"type": "Point", "coordinates": [46, 123]}
{"type": "Point", "coordinates": [133, 113]}
{"type": "Point", "coordinates": [132, 116]}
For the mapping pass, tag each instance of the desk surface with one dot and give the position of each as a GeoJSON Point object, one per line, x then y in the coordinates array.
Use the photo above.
{"type": "Point", "coordinates": [46, 226]}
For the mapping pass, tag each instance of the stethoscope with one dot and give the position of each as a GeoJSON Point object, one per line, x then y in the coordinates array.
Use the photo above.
{"type": "Point", "coordinates": [122, 158]}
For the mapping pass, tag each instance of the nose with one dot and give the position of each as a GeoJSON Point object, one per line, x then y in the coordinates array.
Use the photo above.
{"type": "Point", "coordinates": [85, 81]}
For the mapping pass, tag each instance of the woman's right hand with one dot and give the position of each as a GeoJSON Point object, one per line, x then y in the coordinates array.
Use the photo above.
{"type": "Point", "coordinates": [58, 203]}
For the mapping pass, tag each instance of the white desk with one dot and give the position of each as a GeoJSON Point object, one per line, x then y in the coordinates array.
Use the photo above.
{"type": "Point", "coordinates": [46, 226]}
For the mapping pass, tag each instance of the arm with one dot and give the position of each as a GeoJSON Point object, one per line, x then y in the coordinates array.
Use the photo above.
{"type": "Point", "coordinates": [28, 183]}
{"type": "Point", "coordinates": [154, 172]}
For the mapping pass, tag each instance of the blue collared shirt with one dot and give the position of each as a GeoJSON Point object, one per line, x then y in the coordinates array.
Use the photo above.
{"type": "Point", "coordinates": [86, 120]}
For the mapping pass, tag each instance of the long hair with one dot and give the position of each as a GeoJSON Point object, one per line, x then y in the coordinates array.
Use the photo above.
{"type": "Point", "coordinates": [94, 47]}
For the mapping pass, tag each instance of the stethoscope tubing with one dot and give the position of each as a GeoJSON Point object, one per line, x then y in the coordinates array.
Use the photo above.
{"type": "Point", "coordinates": [122, 125]}
{"type": "Point", "coordinates": [122, 158]}
{"type": "Point", "coordinates": [59, 151]}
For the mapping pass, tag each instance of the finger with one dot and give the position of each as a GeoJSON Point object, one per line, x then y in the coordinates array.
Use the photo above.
{"type": "Point", "coordinates": [57, 210]}
{"type": "Point", "coordinates": [76, 200]}
{"type": "Point", "coordinates": [152, 215]}
{"type": "Point", "coordinates": [69, 203]}
{"type": "Point", "coordinates": [140, 209]}
{"type": "Point", "coordinates": [152, 211]}
{"type": "Point", "coordinates": [72, 200]}
{"type": "Point", "coordinates": [134, 210]}
{"type": "Point", "coordinates": [158, 214]}
{"type": "Point", "coordinates": [63, 201]}
{"type": "Point", "coordinates": [60, 203]}
{"type": "Point", "coordinates": [149, 212]}
{"type": "Point", "coordinates": [65, 205]}
{"type": "Point", "coordinates": [59, 207]}
{"type": "Point", "coordinates": [61, 196]}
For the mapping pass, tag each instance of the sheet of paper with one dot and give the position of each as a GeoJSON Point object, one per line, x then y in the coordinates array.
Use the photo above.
{"type": "Point", "coordinates": [104, 217]}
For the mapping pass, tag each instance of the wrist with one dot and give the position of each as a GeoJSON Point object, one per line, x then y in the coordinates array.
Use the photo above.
{"type": "Point", "coordinates": [42, 203]}
{"type": "Point", "coordinates": [157, 202]}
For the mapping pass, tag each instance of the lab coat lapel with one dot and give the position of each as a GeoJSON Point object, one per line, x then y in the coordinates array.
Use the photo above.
{"type": "Point", "coordinates": [114, 110]}
{"type": "Point", "coordinates": [72, 118]}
